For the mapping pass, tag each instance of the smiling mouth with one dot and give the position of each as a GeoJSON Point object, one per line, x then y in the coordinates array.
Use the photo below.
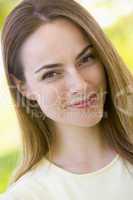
{"type": "Point", "coordinates": [81, 102]}
{"type": "Point", "coordinates": [92, 100]}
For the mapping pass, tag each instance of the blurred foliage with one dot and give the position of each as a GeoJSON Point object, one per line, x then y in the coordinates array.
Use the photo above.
{"type": "Point", "coordinates": [5, 7]}
{"type": "Point", "coordinates": [121, 34]}
{"type": "Point", "coordinates": [8, 163]}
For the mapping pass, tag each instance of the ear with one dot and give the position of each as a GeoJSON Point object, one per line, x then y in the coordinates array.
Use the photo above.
{"type": "Point", "coordinates": [22, 87]}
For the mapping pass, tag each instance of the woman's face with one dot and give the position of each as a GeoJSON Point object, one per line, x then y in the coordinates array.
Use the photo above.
{"type": "Point", "coordinates": [58, 76]}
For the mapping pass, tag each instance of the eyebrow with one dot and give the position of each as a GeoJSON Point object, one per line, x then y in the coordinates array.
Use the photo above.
{"type": "Point", "coordinates": [48, 66]}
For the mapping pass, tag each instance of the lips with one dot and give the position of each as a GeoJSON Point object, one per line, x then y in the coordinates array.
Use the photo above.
{"type": "Point", "coordinates": [82, 102]}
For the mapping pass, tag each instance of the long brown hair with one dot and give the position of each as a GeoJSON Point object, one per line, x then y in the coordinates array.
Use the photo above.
{"type": "Point", "coordinates": [37, 139]}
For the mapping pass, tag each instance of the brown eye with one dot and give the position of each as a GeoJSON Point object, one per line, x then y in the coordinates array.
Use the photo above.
{"type": "Point", "coordinates": [88, 58]}
{"type": "Point", "coordinates": [50, 75]}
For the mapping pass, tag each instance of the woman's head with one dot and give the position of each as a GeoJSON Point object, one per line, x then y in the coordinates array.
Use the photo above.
{"type": "Point", "coordinates": [73, 78]}
{"type": "Point", "coordinates": [56, 32]}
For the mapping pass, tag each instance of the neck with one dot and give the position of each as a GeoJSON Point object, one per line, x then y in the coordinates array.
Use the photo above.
{"type": "Point", "coordinates": [78, 144]}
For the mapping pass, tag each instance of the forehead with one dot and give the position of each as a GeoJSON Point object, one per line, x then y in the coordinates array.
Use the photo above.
{"type": "Point", "coordinates": [60, 38]}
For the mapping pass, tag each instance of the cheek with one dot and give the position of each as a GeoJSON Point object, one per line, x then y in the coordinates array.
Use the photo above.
{"type": "Point", "coordinates": [96, 76]}
{"type": "Point", "coordinates": [48, 96]}
{"type": "Point", "coordinates": [102, 84]}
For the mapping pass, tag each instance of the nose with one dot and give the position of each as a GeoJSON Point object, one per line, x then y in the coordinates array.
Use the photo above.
{"type": "Point", "coordinates": [76, 82]}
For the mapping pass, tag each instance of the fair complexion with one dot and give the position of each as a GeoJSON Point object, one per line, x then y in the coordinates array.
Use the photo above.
{"type": "Point", "coordinates": [79, 145]}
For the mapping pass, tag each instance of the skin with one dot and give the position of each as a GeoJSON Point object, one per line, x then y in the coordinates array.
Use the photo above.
{"type": "Point", "coordinates": [78, 131]}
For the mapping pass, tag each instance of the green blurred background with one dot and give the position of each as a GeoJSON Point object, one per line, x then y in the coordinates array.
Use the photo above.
{"type": "Point", "coordinates": [115, 17]}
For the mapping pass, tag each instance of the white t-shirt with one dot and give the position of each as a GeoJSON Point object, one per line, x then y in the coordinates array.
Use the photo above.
{"type": "Point", "coordinates": [51, 182]}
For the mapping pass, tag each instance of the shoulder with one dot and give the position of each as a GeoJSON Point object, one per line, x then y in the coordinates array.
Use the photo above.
{"type": "Point", "coordinates": [29, 186]}
{"type": "Point", "coordinates": [19, 190]}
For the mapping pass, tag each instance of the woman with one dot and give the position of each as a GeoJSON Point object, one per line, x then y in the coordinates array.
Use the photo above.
{"type": "Point", "coordinates": [71, 91]}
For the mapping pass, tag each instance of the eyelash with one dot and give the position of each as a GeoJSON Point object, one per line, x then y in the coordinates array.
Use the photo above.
{"type": "Point", "coordinates": [46, 75]}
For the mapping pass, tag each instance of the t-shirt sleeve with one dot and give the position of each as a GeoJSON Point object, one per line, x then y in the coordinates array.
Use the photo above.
{"type": "Point", "coordinates": [17, 193]}
{"type": "Point", "coordinates": [9, 196]}
{"type": "Point", "coordinates": [20, 190]}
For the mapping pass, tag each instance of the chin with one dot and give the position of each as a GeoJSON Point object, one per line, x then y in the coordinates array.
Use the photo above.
{"type": "Point", "coordinates": [85, 121]}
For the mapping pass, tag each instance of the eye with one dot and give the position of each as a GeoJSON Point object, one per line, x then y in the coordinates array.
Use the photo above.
{"type": "Point", "coordinates": [50, 75]}
{"type": "Point", "coordinates": [87, 58]}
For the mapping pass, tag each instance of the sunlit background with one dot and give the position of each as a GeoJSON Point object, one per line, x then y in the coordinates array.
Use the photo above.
{"type": "Point", "coordinates": [114, 16]}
